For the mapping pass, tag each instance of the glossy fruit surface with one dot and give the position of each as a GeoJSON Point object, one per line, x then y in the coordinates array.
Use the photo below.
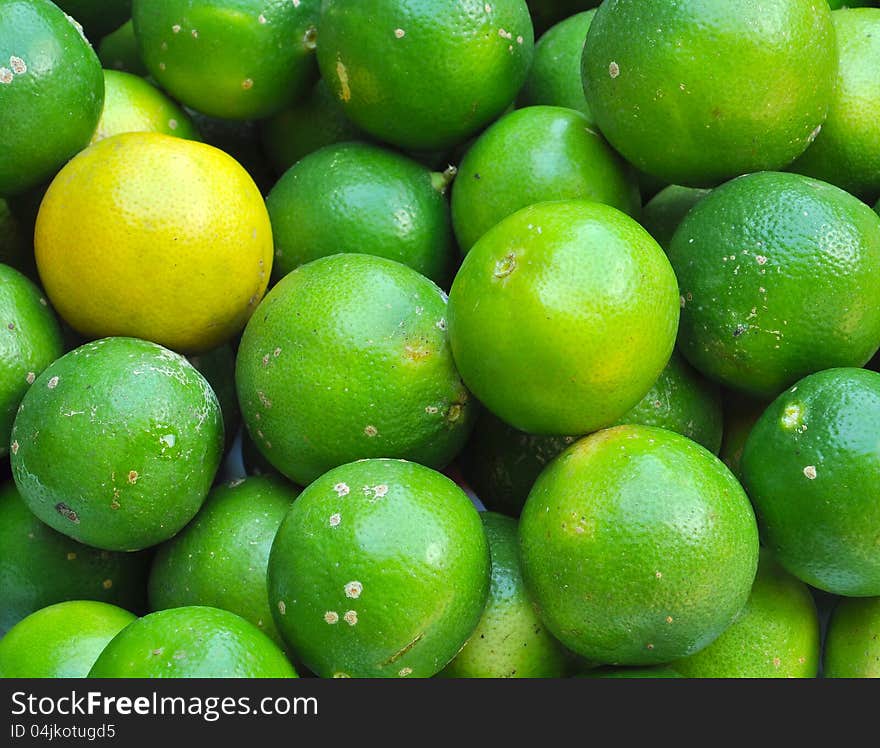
{"type": "Point", "coordinates": [148, 435]}
{"type": "Point", "coordinates": [380, 569]}
{"type": "Point", "coordinates": [638, 546]}
{"type": "Point", "coordinates": [562, 317]}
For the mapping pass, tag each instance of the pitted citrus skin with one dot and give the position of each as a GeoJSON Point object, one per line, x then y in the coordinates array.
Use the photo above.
{"type": "Point", "coordinates": [562, 317]}
{"type": "Point", "coordinates": [192, 642]}
{"type": "Point", "coordinates": [812, 469]}
{"type": "Point", "coordinates": [348, 357]}
{"type": "Point", "coordinates": [638, 546]}
{"type": "Point", "coordinates": [424, 74]}
{"type": "Point", "coordinates": [51, 92]}
{"type": "Point", "coordinates": [149, 438]}
{"type": "Point", "coordinates": [779, 276]}
{"type": "Point", "coordinates": [156, 237]}
{"type": "Point", "coordinates": [700, 91]}
{"type": "Point", "coordinates": [380, 569]}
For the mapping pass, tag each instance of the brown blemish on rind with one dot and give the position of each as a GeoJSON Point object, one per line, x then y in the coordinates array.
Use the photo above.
{"type": "Point", "coordinates": [505, 266]}
{"type": "Point", "coordinates": [132, 476]}
{"type": "Point", "coordinates": [401, 652]}
{"type": "Point", "coordinates": [66, 512]}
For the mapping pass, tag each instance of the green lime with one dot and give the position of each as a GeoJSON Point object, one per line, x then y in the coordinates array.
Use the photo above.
{"type": "Point", "coordinates": [663, 214]}
{"type": "Point", "coordinates": [61, 641]}
{"type": "Point", "coordinates": [638, 546]}
{"type": "Point", "coordinates": [845, 153]}
{"type": "Point", "coordinates": [741, 413]}
{"type": "Point", "coordinates": [546, 13]}
{"type": "Point", "coordinates": [51, 92]}
{"type": "Point", "coordinates": [359, 198]}
{"type": "Point", "coordinates": [220, 558]}
{"type": "Point", "coordinates": [348, 357]}
{"type": "Point", "coordinates": [305, 126]}
{"type": "Point", "coordinates": [236, 59]}
{"type": "Point", "coordinates": [30, 340]}
{"type": "Point", "coordinates": [852, 644]}
{"type": "Point", "coordinates": [812, 468]}
{"type": "Point", "coordinates": [40, 567]}
{"type": "Point", "coordinates": [658, 671]}
{"type": "Point", "coordinates": [697, 91]}
{"type": "Point", "coordinates": [510, 641]}
{"type": "Point", "coordinates": [218, 367]}
{"type": "Point", "coordinates": [776, 635]}
{"type": "Point", "coordinates": [502, 464]}
{"type": "Point", "coordinates": [425, 74]}
{"type": "Point", "coordinates": [779, 277]}
{"type": "Point", "coordinates": [116, 444]}
{"type": "Point", "coordinates": [535, 155]}
{"type": "Point", "coordinates": [119, 51]}
{"type": "Point", "coordinates": [192, 642]}
{"type": "Point", "coordinates": [380, 569]}
{"type": "Point", "coordinates": [131, 104]}
{"type": "Point", "coordinates": [97, 17]}
{"type": "Point", "coordinates": [563, 316]}
{"type": "Point", "coordinates": [555, 77]}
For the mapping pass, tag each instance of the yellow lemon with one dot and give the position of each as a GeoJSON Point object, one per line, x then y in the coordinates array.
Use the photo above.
{"type": "Point", "coordinates": [154, 237]}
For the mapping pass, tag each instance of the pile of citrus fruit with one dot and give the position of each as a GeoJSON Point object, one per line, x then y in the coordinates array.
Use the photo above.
{"type": "Point", "coordinates": [456, 338]}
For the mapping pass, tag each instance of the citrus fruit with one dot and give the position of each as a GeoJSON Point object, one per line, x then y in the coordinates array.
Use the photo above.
{"type": "Point", "coordinates": [563, 316]}
{"type": "Point", "coordinates": [116, 444]}
{"type": "Point", "coordinates": [546, 13]}
{"type": "Point", "coordinates": [638, 546]}
{"type": "Point", "coordinates": [852, 644]}
{"type": "Point", "coordinates": [741, 413]}
{"type": "Point", "coordinates": [220, 558]}
{"type": "Point", "coordinates": [30, 340]}
{"type": "Point", "coordinates": [97, 17]}
{"type": "Point", "coordinates": [192, 642]}
{"type": "Point", "coordinates": [119, 51]}
{"type": "Point", "coordinates": [40, 567]}
{"type": "Point", "coordinates": [359, 198]}
{"type": "Point", "coordinates": [131, 104]}
{"type": "Point", "coordinates": [51, 92]}
{"type": "Point", "coordinates": [533, 155]}
{"type": "Point", "coordinates": [696, 92]}
{"type": "Point", "coordinates": [812, 469]}
{"type": "Point", "coordinates": [236, 59]}
{"type": "Point", "coordinates": [779, 276]}
{"type": "Point", "coordinates": [663, 214]}
{"type": "Point", "coordinates": [348, 357]}
{"type": "Point", "coordinates": [555, 77]}
{"type": "Point", "coordinates": [155, 237]}
{"type": "Point", "coordinates": [510, 641]}
{"type": "Point", "coordinates": [846, 152]}
{"type": "Point", "coordinates": [380, 569]}
{"type": "Point", "coordinates": [61, 641]}
{"type": "Point", "coordinates": [502, 463]}
{"type": "Point", "coordinates": [424, 74]}
{"type": "Point", "coordinates": [776, 635]}
{"type": "Point", "coordinates": [657, 671]}
{"type": "Point", "coordinates": [305, 126]}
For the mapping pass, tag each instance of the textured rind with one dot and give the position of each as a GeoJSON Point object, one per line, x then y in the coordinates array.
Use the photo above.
{"type": "Point", "coordinates": [147, 438]}
{"type": "Point", "coordinates": [380, 569]}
